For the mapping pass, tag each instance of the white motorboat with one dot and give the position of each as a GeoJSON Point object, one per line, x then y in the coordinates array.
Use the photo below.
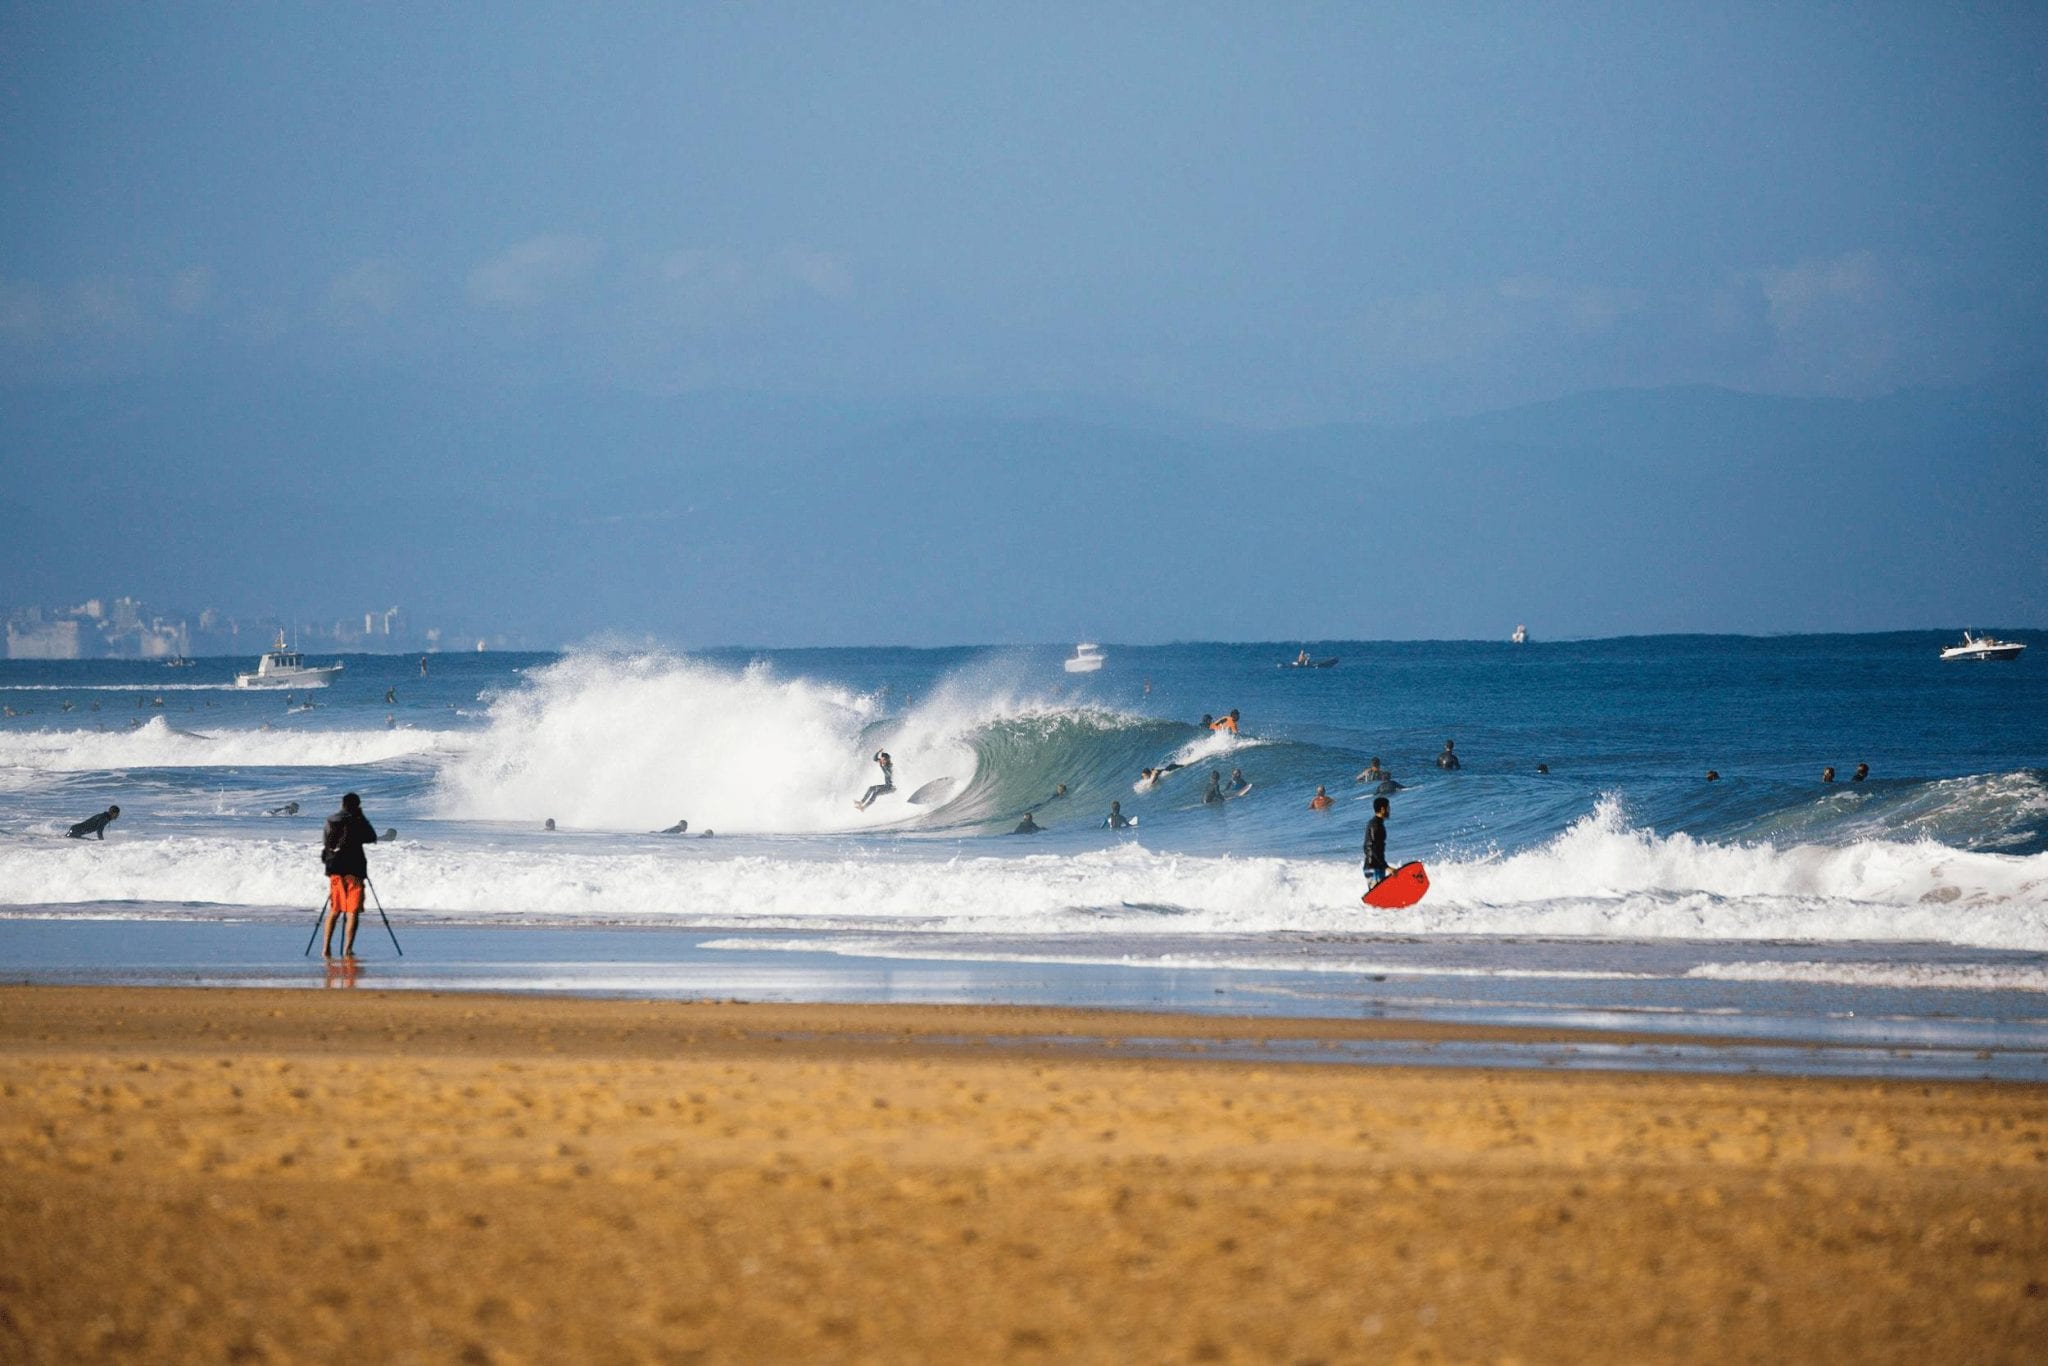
{"type": "Point", "coordinates": [1983, 647]}
{"type": "Point", "coordinates": [1521, 636]}
{"type": "Point", "coordinates": [282, 667]}
{"type": "Point", "coordinates": [1087, 658]}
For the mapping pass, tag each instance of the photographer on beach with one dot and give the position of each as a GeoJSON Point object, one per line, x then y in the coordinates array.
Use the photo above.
{"type": "Point", "coordinates": [341, 854]}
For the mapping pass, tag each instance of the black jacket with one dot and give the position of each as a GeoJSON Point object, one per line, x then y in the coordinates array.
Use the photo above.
{"type": "Point", "coordinates": [341, 843]}
{"type": "Point", "coordinates": [1376, 843]}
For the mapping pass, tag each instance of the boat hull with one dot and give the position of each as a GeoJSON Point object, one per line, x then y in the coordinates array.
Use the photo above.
{"type": "Point", "coordinates": [298, 678]}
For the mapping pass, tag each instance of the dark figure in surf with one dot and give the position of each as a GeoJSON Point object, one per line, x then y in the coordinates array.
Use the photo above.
{"type": "Point", "coordinates": [1116, 820]}
{"type": "Point", "coordinates": [1449, 758]}
{"type": "Point", "coordinates": [1862, 772]}
{"type": "Point", "coordinates": [1207, 722]}
{"type": "Point", "coordinates": [1713, 776]}
{"type": "Point", "coordinates": [1215, 792]}
{"type": "Point", "coordinates": [1827, 775]}
{"type": "Point", "coordinates": [550, 826]}
{"type": "Point", "coordinates": [888, 783]}
{"type": "Point", "coordinates": [1027, 826]}
{"type": "Point", "coordinates": [288, 809]}
{"type": "Point", "coordinates": [679, 828]}
{"type": "Point", "coordinates": [96, 826]}
{"type": "Point", "coordinates": [1543, 768]}
{"type": "Point", "coordinates": [390, 696]}
{"type": "Point", "coordinates": [423, 666]}
{"type": "Point", "coordinates": [1386, 787]}
{"type": "Point", "coordinates": [1372, 772]}
{"type": "Point", "coordinates": [1376, 844]}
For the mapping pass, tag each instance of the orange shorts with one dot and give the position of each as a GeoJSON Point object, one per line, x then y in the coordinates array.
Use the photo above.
{"type": "Point", "coordinates": [345, 893]}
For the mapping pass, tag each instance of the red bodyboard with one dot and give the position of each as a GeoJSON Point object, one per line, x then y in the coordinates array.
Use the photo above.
{"type": "Point", "coordinates": [1402, 887]}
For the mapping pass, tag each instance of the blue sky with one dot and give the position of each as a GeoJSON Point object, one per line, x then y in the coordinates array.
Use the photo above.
{"type": "Point", "coordinates": [1277, 215]}
{"type": "Point", "coordinates": [1179, 218]}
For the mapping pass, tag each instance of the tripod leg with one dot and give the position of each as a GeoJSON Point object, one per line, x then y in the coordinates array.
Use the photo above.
{"type": "Point", "coordinates": [383, 917]}
{"type": "Point", "coordinates": [318, 921]}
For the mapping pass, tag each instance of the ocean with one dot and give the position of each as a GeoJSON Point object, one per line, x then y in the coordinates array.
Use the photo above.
{"type": "Point", "coordinates": [1580, 860]}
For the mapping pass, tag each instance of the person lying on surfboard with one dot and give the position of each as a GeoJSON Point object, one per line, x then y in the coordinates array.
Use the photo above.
{"type": "Point", "coordinates": [1151, 776]}
{"type": "Point", "coordinates": [1376, 844]}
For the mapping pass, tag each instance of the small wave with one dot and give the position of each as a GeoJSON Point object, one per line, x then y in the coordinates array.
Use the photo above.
{"type": "Point", "coordinates": [1903, 976]}
{"type": "Point", "coordinates": [158, 744]}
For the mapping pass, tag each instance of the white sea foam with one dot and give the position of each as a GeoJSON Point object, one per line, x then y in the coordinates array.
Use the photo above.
{"type": "Point", "coordinates": [1598, 879]}
{"type": "Point", "coordinates": [159, 744]}
{"type": "Point", "coordinates": [1905, 976]}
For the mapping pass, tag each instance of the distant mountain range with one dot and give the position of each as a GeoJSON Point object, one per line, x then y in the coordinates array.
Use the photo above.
{"type": "Point", "coordinates": [751, 519]}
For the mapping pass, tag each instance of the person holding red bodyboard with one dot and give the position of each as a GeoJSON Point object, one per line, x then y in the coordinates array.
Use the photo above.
{"type": "Point", "coordinates": [1388, 891]}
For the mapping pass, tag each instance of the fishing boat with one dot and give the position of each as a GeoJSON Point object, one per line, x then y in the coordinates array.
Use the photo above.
{"type": "Point", "coordinates": [1088, 657]}
{"type": "Point", "coordinates": [283, 667]}
{"type": "Point", "coordinates": [1983, 647]}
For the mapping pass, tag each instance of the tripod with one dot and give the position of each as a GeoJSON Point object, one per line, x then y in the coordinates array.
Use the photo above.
{"type": "Point", "coordinates": [329, 901]}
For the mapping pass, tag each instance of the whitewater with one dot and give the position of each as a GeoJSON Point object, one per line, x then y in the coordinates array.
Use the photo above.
{"type": "Point", "coordinates": [1582, 813]}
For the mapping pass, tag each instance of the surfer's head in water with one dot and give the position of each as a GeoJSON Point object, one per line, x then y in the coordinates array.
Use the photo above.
{"type": "Point", "coordinates": [1207, 720]}
{"type": "Point", "coordinates": [1827, 775]}
{"type": "Point", "coordinates": [1713, 776]}
{"type": "Point", "coordinates": [550, 825]}
{"type": "Point", "coordinates": [1862, 772]}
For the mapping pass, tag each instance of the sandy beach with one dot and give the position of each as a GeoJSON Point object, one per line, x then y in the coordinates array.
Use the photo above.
{"type": "Point", "coordinates": [298, 1176]}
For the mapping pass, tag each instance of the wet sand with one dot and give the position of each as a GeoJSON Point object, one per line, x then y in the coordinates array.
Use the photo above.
{"type": "Point", "coordinates": [302, 1176]}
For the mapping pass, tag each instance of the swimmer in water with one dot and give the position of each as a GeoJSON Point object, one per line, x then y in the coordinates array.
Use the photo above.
{"type": "Point", "coordinates": [1215, 792]}
{"type": "Point", "coordinates": [1239, 784]}
{"type": "Point", "coordinates": [1827, 775]}
{"type": "Point", "coordinates": [679, 828]}
{"type": "Point", "coordinates": [1321, 801]}
{"type": "Point", "coordinates": [1449, 758]}
{"type": "Point", "coordinates": [1027, 826]}
{"type": "Point", "coordinates": [1228, 723]}
{"type": "Point", "coordinates": [1862, 772]}
{"type": "Point", "coordinates": [1372, 773]}
{"type": "Point", "coordinates": [1116, 819]}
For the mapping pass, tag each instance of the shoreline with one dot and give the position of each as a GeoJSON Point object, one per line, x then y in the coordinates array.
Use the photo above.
{"type": "Point", "coordinates": [1598, 1005]}
{"type": "Point", "coordinates": [198, 1175]}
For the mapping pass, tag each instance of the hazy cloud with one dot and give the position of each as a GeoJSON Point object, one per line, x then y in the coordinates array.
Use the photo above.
{"type": "Point", "coordinates": [366, 292]}
{"type": "Point", "coordinates": [528, 272]}
{"type": "Point", "coordinates": [191, 290]}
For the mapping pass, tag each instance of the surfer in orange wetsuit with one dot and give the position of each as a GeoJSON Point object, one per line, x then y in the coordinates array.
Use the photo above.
{"type": "Point", "coordinates": [1321, 801]}
{"type": "Point", "coordinates": [1228, 723]}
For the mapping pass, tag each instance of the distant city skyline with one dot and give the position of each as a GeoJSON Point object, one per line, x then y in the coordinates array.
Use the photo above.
{"type": "Point", "coordinates": [125, 627]}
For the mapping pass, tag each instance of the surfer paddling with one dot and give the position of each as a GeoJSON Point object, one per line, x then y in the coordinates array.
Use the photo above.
{"type": "Point", "coordinates": [1376, 844]}
{"type": "Point", "coordinates": [888, 783]}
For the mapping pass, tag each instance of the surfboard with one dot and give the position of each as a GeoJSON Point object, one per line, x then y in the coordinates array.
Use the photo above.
{"type": "Point", "coordinates": [1403, 887]}
{"type": "Point", "coordinates": [1130, 823]}
{"type": "Point", "coordinates": [1246, 791]}
{"type": "Point", "coordinates": [937, 790]}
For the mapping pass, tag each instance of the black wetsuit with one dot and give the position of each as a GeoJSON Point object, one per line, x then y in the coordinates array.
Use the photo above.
{"type": "Point", "coordinates": [1215, 792]}
{"type": "Point", "coordinates": [95, 826]}
{"type": "Point", "coordinates": [1116, 820]}
{"type": "Point", "coordinates": [1448, 759]}
{"type": "Point", "coordinates": [341, 844]}
{"type": "Point", "coordinates": [1376, 848]}
{"type": "Point", "coordinates": [888, 784]}
{"type": "Point", "coordinates": [1027, 826]}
